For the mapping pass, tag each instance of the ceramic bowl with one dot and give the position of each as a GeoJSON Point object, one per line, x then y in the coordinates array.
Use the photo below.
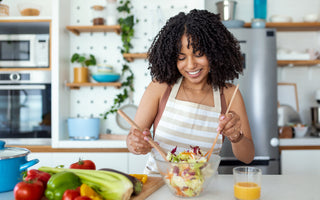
{"type": "Point", "coordinates": [300, 132]}
{"type": "Point", "coordinates": [106, 77]}
{"type": "Point", "coordinates": [29, 9]}
{"type": "Point", "coordinates": [188, 179]}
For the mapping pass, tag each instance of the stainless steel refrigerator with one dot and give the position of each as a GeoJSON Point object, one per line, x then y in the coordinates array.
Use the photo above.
{"type": "Point", "coordinates": [258, 86]}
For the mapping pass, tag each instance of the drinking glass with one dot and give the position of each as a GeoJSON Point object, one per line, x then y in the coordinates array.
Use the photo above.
{"type": "Point", "coordinates": [247, 183]}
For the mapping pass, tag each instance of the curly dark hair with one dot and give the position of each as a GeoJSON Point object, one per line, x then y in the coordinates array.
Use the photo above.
{"type": "Point", "coordinates": [207, 35]}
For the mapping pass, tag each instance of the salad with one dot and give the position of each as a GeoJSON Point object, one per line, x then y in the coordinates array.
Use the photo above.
{"type": "Point", "coordinates": [188, 171]}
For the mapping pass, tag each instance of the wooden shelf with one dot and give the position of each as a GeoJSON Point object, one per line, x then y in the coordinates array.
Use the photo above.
{"type": "Point", "coordinates": [98, 28]}
{"type": "Point", "coordinates": [78, 85]}
{"type": "Point", "coordinates": [131, 56]}
{"type": "Point", "coordinates": [291, 26]}
{"type": "Point", "coordinates": [284, 63]}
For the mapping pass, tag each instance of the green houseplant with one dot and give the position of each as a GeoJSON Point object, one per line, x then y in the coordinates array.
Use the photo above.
{"type": "Point", "coordinates": [127, 31]}
{"type": "Point", "coordinates": [81, 74]}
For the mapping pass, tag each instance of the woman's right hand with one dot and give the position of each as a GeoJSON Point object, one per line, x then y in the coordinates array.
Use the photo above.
{"type": "Point", "coordinates": [136, 142]}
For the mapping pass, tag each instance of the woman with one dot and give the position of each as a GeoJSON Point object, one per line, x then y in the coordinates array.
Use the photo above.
{"type": "Point", "coordinates": [192, 60]}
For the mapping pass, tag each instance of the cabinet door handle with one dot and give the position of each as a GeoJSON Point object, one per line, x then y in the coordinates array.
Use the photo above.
{"type": "Point", "coordinates": [22, 87]}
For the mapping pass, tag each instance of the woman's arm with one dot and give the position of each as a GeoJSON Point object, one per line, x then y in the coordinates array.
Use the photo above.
{"type": "Point", "coordinates": [235, 126]}
{"type": "Point", "coordinates": [144, 118]}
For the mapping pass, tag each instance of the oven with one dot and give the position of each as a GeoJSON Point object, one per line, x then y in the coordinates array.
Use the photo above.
{"type": "Point", "coordinates": [25, 104]}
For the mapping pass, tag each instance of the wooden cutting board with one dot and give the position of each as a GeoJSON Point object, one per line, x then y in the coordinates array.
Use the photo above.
{"type": "Point", "coordinates": [152, 184]}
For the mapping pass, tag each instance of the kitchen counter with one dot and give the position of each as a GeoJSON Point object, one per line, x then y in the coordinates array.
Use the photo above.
{"type": "Point", "coordinates": [307, 142]}
{"type": "Point", "coordinates": [274, 187]}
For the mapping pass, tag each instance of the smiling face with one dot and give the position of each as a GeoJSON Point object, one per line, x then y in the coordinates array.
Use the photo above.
{"type": "Point", "coordinates": [194, 66]}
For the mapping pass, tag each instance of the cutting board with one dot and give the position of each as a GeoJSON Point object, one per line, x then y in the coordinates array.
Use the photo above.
{"type": "Point", "coordinates": [152, 184]}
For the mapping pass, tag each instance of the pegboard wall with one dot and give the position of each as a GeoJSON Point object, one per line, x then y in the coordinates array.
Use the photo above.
{"type": "Point", "coordinates": [152, 15]}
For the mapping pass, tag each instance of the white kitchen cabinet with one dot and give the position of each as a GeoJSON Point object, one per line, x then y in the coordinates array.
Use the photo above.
{"type": "Point", "coordinates": [137, 163]}
{"type": "Point", "coordinates": [300, 162]}
{"type": "Point", "coordinates": [118, 161]}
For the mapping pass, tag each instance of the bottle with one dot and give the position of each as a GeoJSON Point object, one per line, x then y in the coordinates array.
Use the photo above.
{"type": "Point", "coordinates": [260, 9]}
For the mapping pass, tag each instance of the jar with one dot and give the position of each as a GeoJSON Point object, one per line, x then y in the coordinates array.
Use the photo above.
{"type": "Point", "coordinates": [112, 12]}
{"type": "Point", "coordinates": [98, 15]}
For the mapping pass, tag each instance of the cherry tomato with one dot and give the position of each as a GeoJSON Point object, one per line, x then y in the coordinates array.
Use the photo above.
{"type": "Point", "coordinates": [31, 190]}
{"type": "Point", "coordinates": [33, 174]}
{"type": "Point", "coordinates": [70, 194]}
{"type": "Point", "coordinates": [82, 198]}
{"type": "Point", "coordinates": [83, 164]}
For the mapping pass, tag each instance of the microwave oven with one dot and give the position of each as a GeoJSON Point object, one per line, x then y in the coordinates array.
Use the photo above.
{"type": "Point", "coordinates": [24, 50]}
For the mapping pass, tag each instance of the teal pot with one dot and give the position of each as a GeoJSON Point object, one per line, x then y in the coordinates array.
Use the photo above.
{"type": "Point", "coordinates": [84, 128]}
{"type": "Point", "coordinates": [13, 162]}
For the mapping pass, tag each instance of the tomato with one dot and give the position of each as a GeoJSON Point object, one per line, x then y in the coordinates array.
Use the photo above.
{"type": "Point", "coordinates": [82, 198]}
{"type": "Point", "coordinates": [33, 174]}
{"type": "Point", "coordinates": [31, 190]}
{"type": "Point", "coordinates": [70, 194]}
{"type": "Point", "coordinates": [83, 164]}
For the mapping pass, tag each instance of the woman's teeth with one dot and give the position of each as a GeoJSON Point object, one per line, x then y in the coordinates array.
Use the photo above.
{"type": "Point", "coordinates": [195, 72]}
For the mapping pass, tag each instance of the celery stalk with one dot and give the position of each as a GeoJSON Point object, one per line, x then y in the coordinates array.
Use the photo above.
{"type": "Point", "coordinates": [110, 185]}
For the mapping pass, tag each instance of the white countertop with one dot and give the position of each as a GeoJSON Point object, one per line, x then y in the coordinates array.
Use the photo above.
{"type": "Point", "coordinates": [305, 141]}
{"type": "Point", "coordinates": [274, 187]}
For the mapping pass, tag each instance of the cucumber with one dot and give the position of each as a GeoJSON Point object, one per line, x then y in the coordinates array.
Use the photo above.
{"type": "Point", "coordinates": [137, 184]}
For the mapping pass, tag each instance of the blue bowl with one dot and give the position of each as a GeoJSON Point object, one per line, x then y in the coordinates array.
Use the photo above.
{"type": "Point", "coordinates": [110, 77]}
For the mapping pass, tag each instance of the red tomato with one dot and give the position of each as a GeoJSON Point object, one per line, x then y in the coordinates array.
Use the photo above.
{"type": "Point", "coordinates": [82, 198]}
{"type": "Point", "coordinates": [83, 164]}
{"type": "Point", "coordinates": [31, 190]}
{"type": "Point", "coordinates": [33, 174]}
{"type": "Point", "coordinates": [70, 194]}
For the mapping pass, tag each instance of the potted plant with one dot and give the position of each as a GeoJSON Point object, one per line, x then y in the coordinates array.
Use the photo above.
{"type": "Point", "coordinates": [81, 74]}
{"type": "Point", "coordinates": [4, 9]}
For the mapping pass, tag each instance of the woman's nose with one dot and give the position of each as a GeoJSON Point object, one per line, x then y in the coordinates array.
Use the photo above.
{"type": "Point", "coordinates": [191, 63]}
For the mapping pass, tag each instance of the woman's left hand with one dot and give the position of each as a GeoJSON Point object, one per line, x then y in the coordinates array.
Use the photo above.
{"type": "Point", "coordinates": [230, 126]}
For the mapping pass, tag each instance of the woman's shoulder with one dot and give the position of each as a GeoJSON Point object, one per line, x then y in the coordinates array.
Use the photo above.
{"type": "Point", "coordinates": [228, 91]}
{"type": "Point", "coordinates": [157, 88]}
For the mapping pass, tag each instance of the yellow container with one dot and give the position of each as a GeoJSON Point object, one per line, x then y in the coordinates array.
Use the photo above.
{"type": "Point", "coordinates": [80, 75]}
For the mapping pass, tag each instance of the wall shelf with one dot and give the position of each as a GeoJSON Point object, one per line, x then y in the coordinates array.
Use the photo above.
{"type": "Point", "coordinates": [284, 63]}
{"type": "Point", "coordinates": [291, 26]}
{"type": "Point", "coordinates": [107, 84]}
{"type": "Point", "coordinates": [131, 56]}
{"type": "Point", "coordinates": [98, 28]}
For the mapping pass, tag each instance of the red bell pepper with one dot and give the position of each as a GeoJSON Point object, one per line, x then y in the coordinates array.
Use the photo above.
{"type": "Point", "coordinates": [34, 174]}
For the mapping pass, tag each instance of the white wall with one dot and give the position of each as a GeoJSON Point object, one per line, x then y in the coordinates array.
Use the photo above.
{"type": "Point", "coordinates": [152, 15]}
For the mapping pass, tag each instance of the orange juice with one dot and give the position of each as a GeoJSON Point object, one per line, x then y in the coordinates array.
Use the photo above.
{"type": "Point", "coordinates": [247, 191]}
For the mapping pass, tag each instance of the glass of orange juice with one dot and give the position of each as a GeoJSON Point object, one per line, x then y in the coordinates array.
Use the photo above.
{"type": "Point", "coordinates": [247, 183]}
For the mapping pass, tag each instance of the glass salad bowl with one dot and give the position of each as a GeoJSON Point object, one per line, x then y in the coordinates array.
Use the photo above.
{"type": "Point", "coordinates": [188, 179]}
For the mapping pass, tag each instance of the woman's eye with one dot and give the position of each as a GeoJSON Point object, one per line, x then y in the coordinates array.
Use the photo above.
{"type": "Point", "coordinates": [199, 54]}
{"type": "Point", "coordinates": [181, 57]}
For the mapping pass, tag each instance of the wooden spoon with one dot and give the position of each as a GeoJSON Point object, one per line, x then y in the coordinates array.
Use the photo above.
{"type": "Point", "coordinates": [150, 140]}
{"type": "Point", "coordinates": [216, 139]}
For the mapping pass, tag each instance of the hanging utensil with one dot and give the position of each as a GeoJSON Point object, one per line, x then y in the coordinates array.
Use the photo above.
{"type": "Point", "coordinates": [130, 109]}
{"type": "Point", "coordinates": [215, 140]}
{"type": "Point", "coordinates": [150, 140]}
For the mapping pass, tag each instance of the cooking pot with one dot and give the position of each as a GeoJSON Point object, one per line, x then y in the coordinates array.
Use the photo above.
{"type": "Point", "coordinates": [84, 128]}
{"type": "Point", "coordinates": [13, 162]}
{"type": "Point", "coordinates": [226, 9]}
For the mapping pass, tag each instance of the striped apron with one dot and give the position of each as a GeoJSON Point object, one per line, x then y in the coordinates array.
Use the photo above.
{"type": "Point", "coordinates": [184, 124]}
